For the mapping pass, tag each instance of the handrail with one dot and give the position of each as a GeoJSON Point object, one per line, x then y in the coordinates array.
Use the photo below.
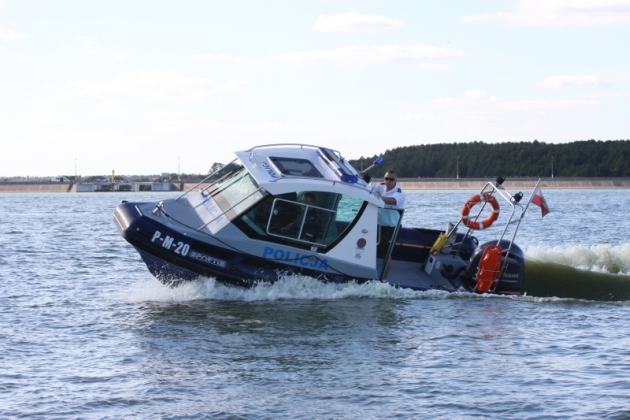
{"type": "Point", "coordinates": [514, 202]}
{"type": "Point", "coordinates": [206, 178]}
{"type": "Point", "coordinates": [298, 145]}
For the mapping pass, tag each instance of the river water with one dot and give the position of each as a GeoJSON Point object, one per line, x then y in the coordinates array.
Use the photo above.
{"type": "Point", "coordinates": [87, 332]}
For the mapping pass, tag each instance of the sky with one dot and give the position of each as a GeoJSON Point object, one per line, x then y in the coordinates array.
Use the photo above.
{"type": "Point", "coordinates": [146, 87]}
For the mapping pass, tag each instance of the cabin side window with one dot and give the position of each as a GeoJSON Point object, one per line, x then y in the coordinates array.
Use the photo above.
{"type": "Point", "coordinates": [307, 219]}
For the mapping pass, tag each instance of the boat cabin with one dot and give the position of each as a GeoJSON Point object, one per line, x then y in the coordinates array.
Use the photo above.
{"type": "Point", "coordinates": [296, 196]}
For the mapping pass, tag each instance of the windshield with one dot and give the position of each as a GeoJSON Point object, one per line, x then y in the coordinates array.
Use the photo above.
{"type": "Point", "coordinates": [235, 193]}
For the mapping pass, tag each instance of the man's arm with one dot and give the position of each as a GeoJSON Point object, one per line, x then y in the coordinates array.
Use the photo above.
{"type": "Point", "coordinates": [389, 200]}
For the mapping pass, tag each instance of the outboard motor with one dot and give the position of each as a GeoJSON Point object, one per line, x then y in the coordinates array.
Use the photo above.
{"type": "Point", "coordinates": [511, 282]}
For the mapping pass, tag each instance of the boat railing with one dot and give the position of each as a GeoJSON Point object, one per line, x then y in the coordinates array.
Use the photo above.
{"type": "Point", "coordinates": [513, 200]}
{"type": "Point", "coordinates": [361, 186]}
{"type": "Point", "coordinates": [297, 145]}
{"type": "Point", "coordinates": [517, 212]}
{"type": "Point", "coordinates": [220, 178]}
{"type": "Point", "coordinates": [340, 160]}
{"type": "Point", "coordinates": [230, 208]}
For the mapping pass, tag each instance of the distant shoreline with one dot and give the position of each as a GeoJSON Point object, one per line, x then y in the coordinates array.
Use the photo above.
{"type": "Point", "coordinates": [516, 183]}
{"type": "Point", "coordinates": [408, 184]}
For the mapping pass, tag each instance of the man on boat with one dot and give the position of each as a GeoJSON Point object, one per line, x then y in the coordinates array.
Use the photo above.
{"type": "Point", "coordinates": [393, 196]}
{"type": "Point", "coordinates": [390, 192]}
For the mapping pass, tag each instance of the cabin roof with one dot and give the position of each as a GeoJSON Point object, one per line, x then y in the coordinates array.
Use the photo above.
{"type": "Point", "coordinates": [283, 168]}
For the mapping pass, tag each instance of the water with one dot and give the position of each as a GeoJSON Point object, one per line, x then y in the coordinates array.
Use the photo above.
{"type": "Point", "coordinates": [87, 332]}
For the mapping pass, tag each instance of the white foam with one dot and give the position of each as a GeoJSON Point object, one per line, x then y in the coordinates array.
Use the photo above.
{"type": "Point", "coordinates": [287, 288]}
{"type": "Point", "coordinates": [293, 287]}
{"type": "Point", "coordinates": [598, 258]}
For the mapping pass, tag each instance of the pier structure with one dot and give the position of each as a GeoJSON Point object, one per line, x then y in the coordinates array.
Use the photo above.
{"type": "Point", "coordinates": [87, 186]}
{"type": "Point", "coordinates": [124, 186]}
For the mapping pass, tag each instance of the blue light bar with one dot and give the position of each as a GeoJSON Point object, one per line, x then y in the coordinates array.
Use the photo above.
{"type": "Point", "coordinates": [333, 163]}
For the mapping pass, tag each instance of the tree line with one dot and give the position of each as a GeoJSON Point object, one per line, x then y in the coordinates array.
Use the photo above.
{"type": "Point", "coordinates": [589, 158]}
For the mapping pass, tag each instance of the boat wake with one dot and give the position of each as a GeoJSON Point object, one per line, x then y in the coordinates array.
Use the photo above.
{"type": "Point", "coordinates": [597, 258]}
{"type": "Point", "coordinates": [290, 287]}
{"type": "Point", "coordinates": [596, 272]}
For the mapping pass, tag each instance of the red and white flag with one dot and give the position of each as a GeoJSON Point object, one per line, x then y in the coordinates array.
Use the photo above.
{"type": "Point", "coordinates": [539, 200]}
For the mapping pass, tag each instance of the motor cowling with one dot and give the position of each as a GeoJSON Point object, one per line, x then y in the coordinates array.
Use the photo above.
{"type": "Point", "coordinates": [512, 279]}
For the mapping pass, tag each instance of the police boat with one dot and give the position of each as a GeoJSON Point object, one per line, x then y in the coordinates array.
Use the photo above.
{"type": "Point", "coordinates": [300, 209]}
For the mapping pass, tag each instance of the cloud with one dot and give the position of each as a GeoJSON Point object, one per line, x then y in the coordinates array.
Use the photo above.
{"type": "Point", "coordinates": [85, 40]}
{"type": "Point", "coordinates": [478, 115]}
{"type": "Point", "coordinates": [370, 54]}
{"type": "Point", "coordinates": [561, 82]}
{"type": "Point", "coordinates": [561, 13]}
{"type": "Point", "coordinates": [146, 86]}
{"type": "Point", "coordinates": [222, 58]}
{"type": "Point", "coordinates": [434, 66]}
{"type": "Point", "coordinates": [8, 34]}
{"type": "Point", "coordinates": [604, 95]}
{"type": "Point", "coordinates": [122, 56]}
{"type": "Point", "coordinates": [354, 23]}
{"type": "Point", "coordinates": [112, 113]}
{"type": "Point", "coordinates": [480, 110]}
{"type": "Point", "coordinates": [583, 81]}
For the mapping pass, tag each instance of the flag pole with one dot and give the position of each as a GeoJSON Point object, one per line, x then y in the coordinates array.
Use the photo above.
{"type": "Point", "coordinates": [530, 198]}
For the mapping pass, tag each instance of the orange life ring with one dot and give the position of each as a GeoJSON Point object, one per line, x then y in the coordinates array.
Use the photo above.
{"type": "Point", "coordinates": [488, 221]}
